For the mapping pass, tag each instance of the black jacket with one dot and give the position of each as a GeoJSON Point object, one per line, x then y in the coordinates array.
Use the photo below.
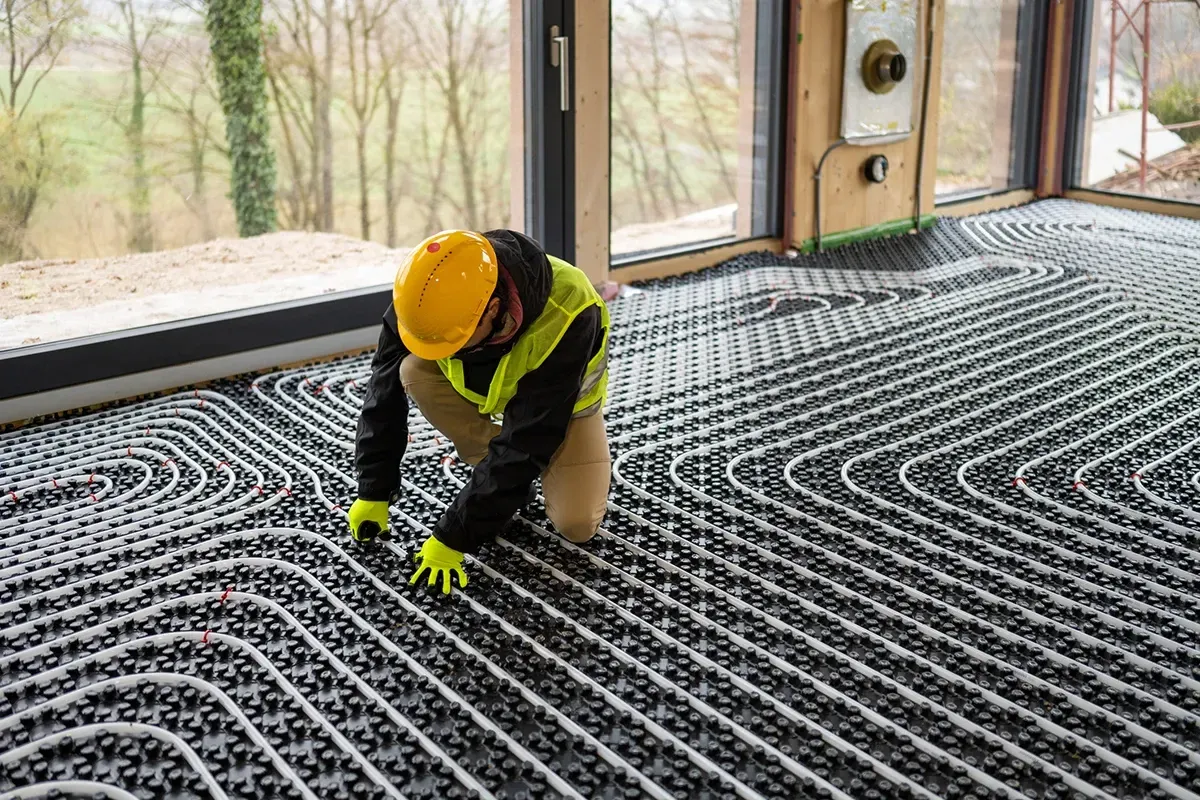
{"type": "Point", "coordinates": [535, 420]}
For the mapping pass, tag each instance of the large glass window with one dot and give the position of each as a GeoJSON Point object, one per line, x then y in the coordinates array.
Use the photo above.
{"type": "Point", "coordinates": [1142, 131]}
{"type": "Point", "coordinates": [388, 120]}
{"type": "Point", "coordinates": [695, 104]}
{"type": "Point", "coordinates": [978, 96]}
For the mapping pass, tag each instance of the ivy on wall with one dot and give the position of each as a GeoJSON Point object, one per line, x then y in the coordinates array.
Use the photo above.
{"type": "Point", "coordinates": [235, 33]}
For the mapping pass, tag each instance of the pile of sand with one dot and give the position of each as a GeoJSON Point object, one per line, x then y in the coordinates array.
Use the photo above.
{"type": "Point", "coordinates": [54, 299]}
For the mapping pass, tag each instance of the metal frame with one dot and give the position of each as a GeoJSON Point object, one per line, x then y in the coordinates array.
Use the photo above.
{"type": "Point", "coordinates": [549, 132]}
{"type": "Point", "coordinates": [550, 216]}
{"type": "Point", "coordinates": [690, 259]}
{"type": "Point", "coordinates": [549, 198]}
{"type": "Point", "coordinates": [1078, 102]}
{"type": "Point", "coordinates": [771, 84]}
{"type": "Point", "coordinates": [672, 251]}
{"type": "Point", "coordinates": [43, 368]}
{"type": "Point", "coordinates": [1079, 106]}
{"type": "Point", "coordinates": [1027, 97]}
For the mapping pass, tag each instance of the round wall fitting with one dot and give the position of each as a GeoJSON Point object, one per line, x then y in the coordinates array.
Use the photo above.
{"type": "Point", "coordinates": [875, 169]}
{"type": "Point", "coordinates": [884, 66]}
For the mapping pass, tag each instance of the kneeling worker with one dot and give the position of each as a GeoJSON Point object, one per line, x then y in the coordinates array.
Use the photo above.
{"type": "Point", "coordinates": [486, 326]}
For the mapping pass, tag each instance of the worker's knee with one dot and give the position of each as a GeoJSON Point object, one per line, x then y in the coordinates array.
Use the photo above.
{"type": "Point", "coordinates": [419, 372]}
{"type": "Point", "coordinates": [575, 527]}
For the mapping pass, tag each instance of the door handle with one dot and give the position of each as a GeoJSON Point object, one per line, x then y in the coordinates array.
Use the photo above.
{"type": "Point", "coordinates": [560, 56]}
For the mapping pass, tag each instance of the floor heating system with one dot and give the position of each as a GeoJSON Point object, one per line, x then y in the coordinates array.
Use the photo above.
{"type": "Point", "coordinates": [912, 519]}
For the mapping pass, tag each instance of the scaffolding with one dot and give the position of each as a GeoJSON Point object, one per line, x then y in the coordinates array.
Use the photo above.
{"type": "Point", "coordinates": [1142, 36]}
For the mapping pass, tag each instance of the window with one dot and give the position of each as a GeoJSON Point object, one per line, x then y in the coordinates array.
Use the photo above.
{"type": "Point", "coordinates": [979, 95]}
{"type": "Point", "coordinates": [695, 118]}
{"type": "Point", "coordinates": [388, 120]}
{"type": "Point", "coordinates": [1141, 133]}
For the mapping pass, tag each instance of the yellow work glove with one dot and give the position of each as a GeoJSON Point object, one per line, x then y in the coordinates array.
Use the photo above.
{"type": "Point", "coordinates": [440, 561]}
{"type": "Point", "coordinates": [368, 519]}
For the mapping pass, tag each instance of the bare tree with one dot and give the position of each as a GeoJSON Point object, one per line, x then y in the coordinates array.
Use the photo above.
{"type": "Point", "coordinates": [432, 155]}
{"type": "Point", "coordinates": [646, 63]}
{"type": "Point", "coordinates": [458, 42]}
{"type": "Point", "coordinates": [709, 93]}
{"type": "Point", "coordinates": [362, 20]}
{"type": "Point", "coordinates": [138, 24]}
{"type": "Point", "coordinates": [392, 47]}
{"type": "Point", "coordinates": [300, 61]}
{"type": "Point", "coordinates": [186, 91]}
{"type": "Point", "coordinates": [33, 34]}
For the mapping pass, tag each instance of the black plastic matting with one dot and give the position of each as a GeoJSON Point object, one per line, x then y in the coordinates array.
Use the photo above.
{"type": "Point", "coordinates": [915, 518]}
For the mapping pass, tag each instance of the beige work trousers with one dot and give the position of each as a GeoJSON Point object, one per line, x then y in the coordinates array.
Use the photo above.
{"type": "Point", "coordinates": [575, 483]}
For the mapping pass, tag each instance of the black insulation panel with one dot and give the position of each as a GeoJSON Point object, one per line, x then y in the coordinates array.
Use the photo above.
{"type": "Point", "coordinates": [915, 518]}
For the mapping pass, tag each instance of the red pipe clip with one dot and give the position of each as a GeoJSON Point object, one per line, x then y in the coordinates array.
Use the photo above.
{"type": "Point", "coordinates": [284, 490]}
{"type": "Point", "coordinates": [164, 463]}
{"type": "Point", "coordinates": [204, 638]}
{"type": "Point", "coordinates": [222, 464]}
{"type": "Point", "coordinates": [1137, 476]}
{"type": "Point", "coordinates": [13, 495]}
{"type": "Point", "coordinates": [1077, 485]}
{"type": "Point", "coordinates": [94, 498]}
{"type": "Point", "coordinates": [259, 488]}
{"type": "Point", "coordinates": [91, 478]}
{"type": "Point", "coordinates": [226, 594]}
{"type": "Point", "coordinates": [1019, 481]}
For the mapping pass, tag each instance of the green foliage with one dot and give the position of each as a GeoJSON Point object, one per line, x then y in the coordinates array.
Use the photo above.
{"type": "Point", "coordinates": [235, 31]}
{"type": "Point", "coordinates": [1178, 101]}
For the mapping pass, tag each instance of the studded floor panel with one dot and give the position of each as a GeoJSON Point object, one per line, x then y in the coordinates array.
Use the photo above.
{"type": "Point", "coordinates": [916, 518]}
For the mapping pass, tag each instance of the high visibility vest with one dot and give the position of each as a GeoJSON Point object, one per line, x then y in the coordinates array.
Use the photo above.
{"type": "Point", "coordinates": [570, 294]}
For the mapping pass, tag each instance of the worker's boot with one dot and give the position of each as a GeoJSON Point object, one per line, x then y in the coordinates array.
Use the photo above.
{"type": "Point", "coordinates": [531, 496]}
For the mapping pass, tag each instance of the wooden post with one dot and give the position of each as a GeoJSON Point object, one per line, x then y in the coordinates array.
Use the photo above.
{"type": "Point", "coordinates": [592, 53]}
{"type": "Point", "coordinates": [747, 94]}
{"type": "Point", "coordinates": [1006, 77]}
{"type": "Point", "coordinates": [516, 116]}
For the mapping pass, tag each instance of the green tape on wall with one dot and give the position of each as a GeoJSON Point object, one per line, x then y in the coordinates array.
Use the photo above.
{"type": "Point", "coordinates": [893, 228]}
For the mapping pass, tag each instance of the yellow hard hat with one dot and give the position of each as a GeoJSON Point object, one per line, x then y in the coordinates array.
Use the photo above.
{"type": "Point", "coordinates": [441, 291]}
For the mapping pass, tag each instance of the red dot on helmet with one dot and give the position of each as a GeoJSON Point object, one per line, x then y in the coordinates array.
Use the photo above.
{"type": "Point", "coordinates": [433, 247]}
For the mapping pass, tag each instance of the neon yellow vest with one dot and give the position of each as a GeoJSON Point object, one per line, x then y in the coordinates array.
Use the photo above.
{"type": "Point", "coordinates": [570, 295]}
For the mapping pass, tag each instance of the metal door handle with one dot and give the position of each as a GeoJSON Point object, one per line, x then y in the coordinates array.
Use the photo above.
{"type": "Point", "coordinates": [560, 56]}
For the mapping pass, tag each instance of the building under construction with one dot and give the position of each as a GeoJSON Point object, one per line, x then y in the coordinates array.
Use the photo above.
{"type": "Point", "coordinates": [607, 399]}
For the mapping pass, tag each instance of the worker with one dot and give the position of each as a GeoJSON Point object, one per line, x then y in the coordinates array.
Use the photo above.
{"type": "Point", "coordinates": [487, 327]}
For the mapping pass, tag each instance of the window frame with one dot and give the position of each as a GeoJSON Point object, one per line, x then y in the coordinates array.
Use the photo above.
{"type": "Point", "coordinates": [1079, 107]}
{"type": "Point", "coordinates": [1028, 94]}
{"type": "Point", "coordinates": [772, 96]}
{"type": "Point", "coordinates": [41, 368]}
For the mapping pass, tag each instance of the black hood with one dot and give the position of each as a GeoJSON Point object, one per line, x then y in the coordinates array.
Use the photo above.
{"type": "Point", "coordinates": [525, 262]}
